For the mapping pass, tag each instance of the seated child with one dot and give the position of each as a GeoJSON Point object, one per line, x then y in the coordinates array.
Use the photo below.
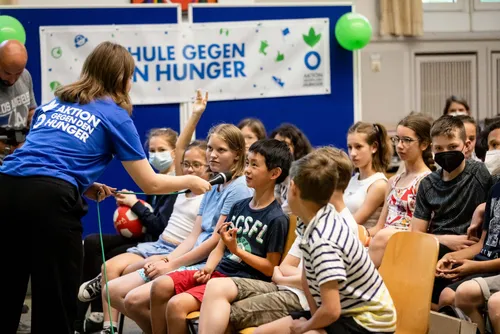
{"type": "Point", "coordinates": [370, 150]}
{"type": "Point", "coordinates": [413, 145]}
{"type": "Point", "coordinates": [344, 290]}
{"type": "Point", "coordinates": [255, 238]}
{"type": "Point", "coordinates": [447, 198]}
{"type": "Point", "coordinates": [459, 271]}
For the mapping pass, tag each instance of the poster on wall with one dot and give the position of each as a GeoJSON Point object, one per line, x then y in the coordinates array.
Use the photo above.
{"type": "Point", "coordinates": [233, 60]}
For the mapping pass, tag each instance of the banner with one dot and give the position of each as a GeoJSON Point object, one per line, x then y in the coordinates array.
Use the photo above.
{"type": "Point", "coordinates": [231, 60]}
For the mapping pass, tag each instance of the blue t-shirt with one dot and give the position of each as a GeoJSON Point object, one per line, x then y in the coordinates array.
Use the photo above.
{"type": "Point", "coordinates": [216, 203]}
{"type": "Point", "coordinates": [75, 142]}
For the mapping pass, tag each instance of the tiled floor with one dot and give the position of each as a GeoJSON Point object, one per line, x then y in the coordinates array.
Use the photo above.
{"type": "Point", "coordinates": [129, 328]}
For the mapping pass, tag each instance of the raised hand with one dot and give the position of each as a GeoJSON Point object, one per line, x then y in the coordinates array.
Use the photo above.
{"type": "Point", "coordinates": [200, 103]}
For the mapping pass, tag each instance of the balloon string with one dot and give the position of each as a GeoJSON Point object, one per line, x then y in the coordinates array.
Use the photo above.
{"type": "Point", "coordinates": [104, 265]}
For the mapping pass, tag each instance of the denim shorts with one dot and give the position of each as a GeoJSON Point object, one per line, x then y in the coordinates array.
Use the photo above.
{"type": "Point", "coordinates": [147, 249]}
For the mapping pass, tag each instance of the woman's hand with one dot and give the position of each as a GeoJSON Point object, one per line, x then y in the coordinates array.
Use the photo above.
{"type": "Point", "coordinates": [98, 191]}
{"type": "Point", "coordinates": [199, 186]}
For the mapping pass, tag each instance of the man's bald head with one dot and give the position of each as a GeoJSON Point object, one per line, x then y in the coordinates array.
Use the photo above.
{"type": "Point", "coordinates": [13, 59]}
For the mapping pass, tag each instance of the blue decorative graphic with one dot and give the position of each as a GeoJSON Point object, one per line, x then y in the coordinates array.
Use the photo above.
{"type": "Point", "coordinates": [80, 41]}
{"type": "Point", "coordinates": [278, 81]}
{"type": "Point", "coordinates": [285, 31]}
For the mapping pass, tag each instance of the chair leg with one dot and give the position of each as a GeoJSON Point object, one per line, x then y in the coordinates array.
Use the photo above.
{"type": "Point", "coordinates": [121, 323]}
{"type": "Point", "coordinates": [192, 328]}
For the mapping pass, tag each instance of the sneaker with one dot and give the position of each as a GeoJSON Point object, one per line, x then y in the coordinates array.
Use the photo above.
{"type": "Point", "coordinates": [107, 330]}
{"type": "Point", "coordinates": [90, 290]}
{"type": "Point", "coordinates": [23, 328]}
{"type": "Point", "coordinates": [94, 322]}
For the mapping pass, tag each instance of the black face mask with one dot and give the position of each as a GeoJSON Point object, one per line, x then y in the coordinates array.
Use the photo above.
{"type": "Point", "coordinates": [450, 160]}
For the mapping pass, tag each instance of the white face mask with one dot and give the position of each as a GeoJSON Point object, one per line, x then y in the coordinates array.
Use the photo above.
{"type": "Point", "coordinates": [457, 113]}
{"type": "Point", "coordinates": [161, 161]}
{"type": "Point", "coordinates": [492, 160]}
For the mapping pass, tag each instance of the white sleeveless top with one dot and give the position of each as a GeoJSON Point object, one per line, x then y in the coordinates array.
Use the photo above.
{"type": "Point", "coordinates": [183, 216]}
{"type": "Point", "coordinates": [355, 193]}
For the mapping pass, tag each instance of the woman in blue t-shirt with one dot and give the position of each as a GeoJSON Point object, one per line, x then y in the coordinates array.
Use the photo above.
{"type": "Point", "coordinates": [71, 141]}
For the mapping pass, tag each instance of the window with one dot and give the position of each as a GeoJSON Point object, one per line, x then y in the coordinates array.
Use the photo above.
{"type": "Point", "coordinates": [445, 5]}
{"type": "Point", "coordinates": [486, 4]}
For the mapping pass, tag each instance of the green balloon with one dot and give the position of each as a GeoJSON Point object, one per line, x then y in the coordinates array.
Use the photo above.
{"type": "Point", "coordinates": [353, 31]}
{"type": "Point", "coordinates": [11, 29]}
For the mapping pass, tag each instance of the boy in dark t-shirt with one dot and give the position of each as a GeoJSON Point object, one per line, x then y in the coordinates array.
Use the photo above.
{"type": "Point", "coordinates": [251, 243]}
{"type": "Point", "coordinates": [473, 263]}
{"type": "Point", "coordinates": [447, 198]}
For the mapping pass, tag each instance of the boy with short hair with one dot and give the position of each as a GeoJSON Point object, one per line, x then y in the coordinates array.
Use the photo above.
{"type": "Point", "coordinates": [251, 244]}
{"type": "Point", "coordinates": [345, 292]}
{"type": "Point", "coordinates": [447, 198]}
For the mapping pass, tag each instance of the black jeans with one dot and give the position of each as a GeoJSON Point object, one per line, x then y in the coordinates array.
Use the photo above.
{"type": "Point", "coordinates": [43, 215]}
{"type": "Point", "coordinates": [114, 244]}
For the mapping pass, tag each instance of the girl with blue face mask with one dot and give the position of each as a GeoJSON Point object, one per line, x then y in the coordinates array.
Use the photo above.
{"type": "Point", "coordinates": [161, 144]}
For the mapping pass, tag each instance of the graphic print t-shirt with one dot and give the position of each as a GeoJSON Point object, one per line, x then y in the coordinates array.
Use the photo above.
{"type": "Point", "coordinates": [491, 247]}
{"type": "Point", "coordinates": [16, 101]}
{"type": "Point", "coordinates": [259, 232]}
{"type": "Point", "coordinates": [75, 142]}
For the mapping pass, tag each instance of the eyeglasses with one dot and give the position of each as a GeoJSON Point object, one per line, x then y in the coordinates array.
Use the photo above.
{"type": "Point", "coordinates": [195, 165]}
{"type": "Point", "coordinates": [404, 140]}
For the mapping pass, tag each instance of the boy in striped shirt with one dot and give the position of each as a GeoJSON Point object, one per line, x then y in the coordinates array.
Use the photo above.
{"type": "Point", "coordinates": [343, 288]}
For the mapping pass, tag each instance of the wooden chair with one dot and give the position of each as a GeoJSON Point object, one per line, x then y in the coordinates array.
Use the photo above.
{"type": "Point", "coordinates": [363, 235]}
{"type": "Point", "coordinates": [408, 269]}
{"type": "Point", "coordinates": [290, 238]}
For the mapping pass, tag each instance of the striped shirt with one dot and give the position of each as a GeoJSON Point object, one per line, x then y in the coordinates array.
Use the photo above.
{"type": "Point", "coordinates": [332, 253]}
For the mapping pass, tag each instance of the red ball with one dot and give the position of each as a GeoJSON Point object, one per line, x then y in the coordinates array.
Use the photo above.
{"type": "Point", "coordinates": [127, 223]}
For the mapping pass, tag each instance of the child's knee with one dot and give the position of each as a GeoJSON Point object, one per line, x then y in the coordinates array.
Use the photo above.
{"type": "Point", "coordinates": [220, 287]}
{"type": "Point", "coordinates": [447, 297]}
{"type": "Point", "coordinates": [135, 299]}
{"type": "Point", "coordinates": [177, 307]}
{"type": "Point", "coordinates": [469, 296]}
{"type": "Point", "coordinates": [494, 306]}
{"type": "Point", "coordinates": [162, 288]}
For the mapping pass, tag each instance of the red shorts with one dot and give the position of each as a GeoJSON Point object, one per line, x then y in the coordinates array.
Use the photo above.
{"type": "Point", "coordinates": [184, 282]}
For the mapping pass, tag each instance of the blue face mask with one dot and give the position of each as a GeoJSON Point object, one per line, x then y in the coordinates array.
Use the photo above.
{"type": "Point", "coordinates": [161, 161]}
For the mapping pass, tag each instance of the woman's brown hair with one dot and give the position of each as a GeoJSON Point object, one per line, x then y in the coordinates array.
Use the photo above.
{"type": "Point", "coordinates": [105, 73]}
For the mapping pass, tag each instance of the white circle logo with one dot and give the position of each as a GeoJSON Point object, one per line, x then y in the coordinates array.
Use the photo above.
{"type": "Point", "coordinates": [39, 121]}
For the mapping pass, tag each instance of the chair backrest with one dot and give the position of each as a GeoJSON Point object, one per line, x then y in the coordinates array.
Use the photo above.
{"type": "Point", "coordinates": [290, 237]}
{"type": "Point", "coordinates": [408, 269]}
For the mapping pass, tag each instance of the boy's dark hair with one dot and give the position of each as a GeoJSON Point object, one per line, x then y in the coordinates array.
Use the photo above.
{"type": "Point", "coordinates": [345, 167]}
{"type": "Point", "coordinates": [316, 176]}
{"type": "Point", "coordinates": [447, 125]}
{"type": "Point", "coordinates": [455, 99]}
{"type": "Point", "coordinates": [301, 145]}
{"type": "Point", "coordinates": [276, 154]}
{"type": "Point", "coordinates": [482, 141]}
